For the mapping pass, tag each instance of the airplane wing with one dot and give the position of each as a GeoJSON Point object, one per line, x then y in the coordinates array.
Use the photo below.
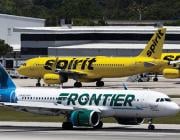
{"type": "Point", "coordinates": [38, 107]}
{"type": "Point", "coordinates": [71, 73]}
{"type": "Point", "coordinates": [23, 106]}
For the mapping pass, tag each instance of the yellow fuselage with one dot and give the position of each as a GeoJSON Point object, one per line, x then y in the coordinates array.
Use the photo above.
{"type": "Point", "coordinates": [92, 68]}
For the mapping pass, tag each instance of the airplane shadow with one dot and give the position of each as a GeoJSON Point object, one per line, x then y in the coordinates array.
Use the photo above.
{"type": "Point", "coordinates": [15, 129]}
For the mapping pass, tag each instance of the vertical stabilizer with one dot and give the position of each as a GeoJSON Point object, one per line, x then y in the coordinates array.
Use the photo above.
{"type": "Point", "coordinates": [155, 45]}
{"type": "Point", "coordinates": [5, 80]}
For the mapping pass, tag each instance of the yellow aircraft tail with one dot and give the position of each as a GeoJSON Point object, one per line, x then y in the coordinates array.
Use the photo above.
{"type": "Point", "coordinates": [155, 45]}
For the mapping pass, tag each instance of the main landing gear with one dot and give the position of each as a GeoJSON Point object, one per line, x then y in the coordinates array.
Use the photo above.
{"type": "Point", "coordinates": [155, 79]}
{"type": "Point", "coordinates": [99, 126]}
{"type": "Point", "coordinates": [99, 83]}
{"type": "Point", "coordinates": [77, 84]}
{"type": "Point", "coordinates": [151, 126]}
{"type": "Point", "coordinates": [67, 126]}
{"type": "Point", "coordinates": [38, 84]}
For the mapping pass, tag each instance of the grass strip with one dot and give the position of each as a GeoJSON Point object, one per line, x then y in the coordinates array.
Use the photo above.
{"type": "Point", "coordinates": [8, 114]}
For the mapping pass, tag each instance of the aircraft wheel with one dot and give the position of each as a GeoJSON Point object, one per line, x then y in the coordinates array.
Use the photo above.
{"type": "Point", "coordinates": [99, 83]}
{"type": "Point", "coordinates": [67, 126]}
{"type": "Point", "coordinates": [140, 80]}
{"type": "Point", "coordinates": [38, 84]}
{"type": "Point", "coordinates": [155, 79]}
{"type": "Point", "coordinates": [151, 127]}
{"type": "Point", "coordinates": [99, 126]}
{"type": "Point", "coordinates": [77, 84]}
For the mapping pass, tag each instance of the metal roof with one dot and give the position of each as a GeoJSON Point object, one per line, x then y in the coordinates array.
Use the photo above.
{"type": "Point", "coordinates": [21, 17]}
{"type": "Point", "coordinates": [95, 29]}
{"type": "Point", "coordinates": [114, 46]}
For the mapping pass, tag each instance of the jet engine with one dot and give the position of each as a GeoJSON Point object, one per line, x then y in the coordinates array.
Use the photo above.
{"type": "Point", "coordinates": [171, 73]}
{"type": "Point", "coordinates": [52, 78]}
{"type": "Point", "coordinates": [130, 121]}
{"type": "Point", "coordinates": [85, 118]}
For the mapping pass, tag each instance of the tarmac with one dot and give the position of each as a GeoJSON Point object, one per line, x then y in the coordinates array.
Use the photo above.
{"type": "Point", "coordinates": [110, 131]}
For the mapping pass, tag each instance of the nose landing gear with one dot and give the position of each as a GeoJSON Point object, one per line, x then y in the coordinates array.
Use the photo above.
{"type": "Point", "coordinates": [151, 126]}
{"type": "Point", "coordinates": [38, 84]}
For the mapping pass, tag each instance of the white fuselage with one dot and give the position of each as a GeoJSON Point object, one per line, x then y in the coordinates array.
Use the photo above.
{"type": "Point", "coordinates": [116, 103]}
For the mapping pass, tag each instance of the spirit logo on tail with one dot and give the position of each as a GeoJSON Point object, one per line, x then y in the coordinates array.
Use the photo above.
{"type": "Point", "coordinates": [155, 41]}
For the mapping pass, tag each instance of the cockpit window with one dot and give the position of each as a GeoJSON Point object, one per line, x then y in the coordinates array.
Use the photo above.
{"type": "Point", "coordinates": [168, 99]}
{"type": "Point", "coordinates": [157, 100]}
{"type": "Point", "coordinates": [162, 100]}
{"type": "Point", "coordinates": [24, 64]}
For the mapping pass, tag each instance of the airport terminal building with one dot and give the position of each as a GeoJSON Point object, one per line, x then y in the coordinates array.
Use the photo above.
{"type": "Point", "coordinates": [91, 41]}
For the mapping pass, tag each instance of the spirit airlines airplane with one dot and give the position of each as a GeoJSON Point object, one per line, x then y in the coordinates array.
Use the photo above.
{"type": "Point", "coordinates": [171, 71]}
{"type": "Point", "coordinates": [93, 69]}
{"type": "Point", "coordinates": [87, 107]}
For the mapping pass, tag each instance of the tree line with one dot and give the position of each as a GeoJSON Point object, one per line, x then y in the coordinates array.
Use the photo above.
{"type": "Point", "coordinates": [84, 11]}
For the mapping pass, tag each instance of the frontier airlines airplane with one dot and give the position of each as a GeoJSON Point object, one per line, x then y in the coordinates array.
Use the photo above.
{"type": "Point", "coordinates": [87, 107]}
{"type": "Point", "coordinates": [93, 69]}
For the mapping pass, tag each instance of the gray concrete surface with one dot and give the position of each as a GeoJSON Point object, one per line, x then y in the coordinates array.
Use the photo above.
{"type": "Point", "coordinates": [52, 131]}
{"type": "Point", "coordinates": [168, 86]}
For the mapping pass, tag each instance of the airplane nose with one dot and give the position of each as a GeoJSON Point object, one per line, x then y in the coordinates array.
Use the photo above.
{"type": "Point", "coordinates": [20, 70]}
{"type": "Point", "coordinates": [175, 108]}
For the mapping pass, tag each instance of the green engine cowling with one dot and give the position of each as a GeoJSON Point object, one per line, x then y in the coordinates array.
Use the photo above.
{"type": "Point", "coordinates": [85, 118]}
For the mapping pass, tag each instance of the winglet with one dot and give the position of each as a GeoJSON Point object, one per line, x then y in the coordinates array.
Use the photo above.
{"type": "Point", "coordinates": [154, 47]}
{"type": "Point", "coordinates": [125, 87]}
{"type": "Point", "coordinates": [5, 80]}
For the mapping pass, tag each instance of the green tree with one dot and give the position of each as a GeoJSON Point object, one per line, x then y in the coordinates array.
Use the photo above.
{"type": "Point", "coordinates": [4, 48]}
